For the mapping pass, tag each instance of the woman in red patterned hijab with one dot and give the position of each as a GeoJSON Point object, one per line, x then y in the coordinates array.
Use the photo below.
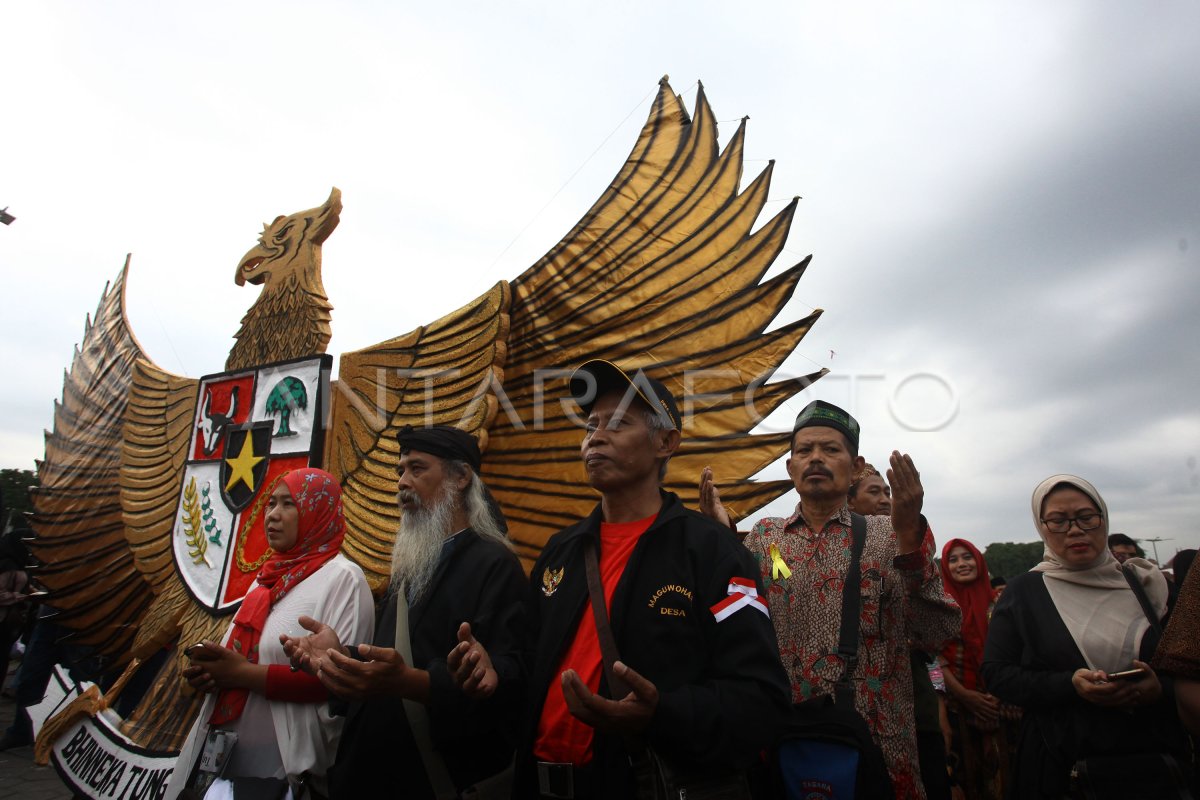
{"type": "Point", "coordinates": [305, 527]}
{"type": "Point", "coordinates": [282, 721]}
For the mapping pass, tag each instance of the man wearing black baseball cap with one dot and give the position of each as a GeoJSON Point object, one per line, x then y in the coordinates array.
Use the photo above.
{"type": "Point", "coordinates": [596, 377]}
{"type": "Point", "coordinates": [692, 670]}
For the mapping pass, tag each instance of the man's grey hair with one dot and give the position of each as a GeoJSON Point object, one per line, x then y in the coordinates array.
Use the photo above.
{"type": "Point", "coordinates": [656, 423]}
{"type": "Point", "coordinates": [480, 514]}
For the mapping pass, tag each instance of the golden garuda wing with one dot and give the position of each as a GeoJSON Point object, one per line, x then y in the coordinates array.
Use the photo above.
{"type": "Point", "coordinates": [663, 273]}
{"type": "Point", "coordinates": [97, 576]}
{"type": "Point", "coordinates": [443, 373]}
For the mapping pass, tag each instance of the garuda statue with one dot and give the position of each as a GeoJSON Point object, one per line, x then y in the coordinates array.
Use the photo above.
{"type": "Point", "coordinates": [145, 518]}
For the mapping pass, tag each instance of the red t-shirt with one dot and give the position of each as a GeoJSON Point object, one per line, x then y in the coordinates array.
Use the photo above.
{"type": "Point", "coordinates": [562, 738]}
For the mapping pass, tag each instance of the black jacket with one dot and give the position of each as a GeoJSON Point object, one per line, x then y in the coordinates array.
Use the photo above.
{"type": "Point", "coordinates": [481, 582]}
{"type": "Point", "coordinates": [1028, 661]}
{"type": "Point", "coordinates": [722, 690]}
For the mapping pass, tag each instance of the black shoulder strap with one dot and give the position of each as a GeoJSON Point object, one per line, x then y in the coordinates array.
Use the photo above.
{"type": "Point", "coordinates": [1139, 592]}
{"type": "Point", "coordinates": [608, 644]}
{"type": "Point", "coordinates": [851, 598]}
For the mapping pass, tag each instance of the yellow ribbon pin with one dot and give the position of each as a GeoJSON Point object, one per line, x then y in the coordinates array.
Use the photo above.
{"type": "Point", "coordinates": [778, 565]}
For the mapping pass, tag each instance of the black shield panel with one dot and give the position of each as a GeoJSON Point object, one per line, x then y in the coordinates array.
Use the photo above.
{"type": "Point", "coordinates": [247, 454]}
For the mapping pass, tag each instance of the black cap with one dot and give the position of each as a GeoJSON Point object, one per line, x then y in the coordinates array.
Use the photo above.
{"type": "Point", "coordinates": [593, 378]}
{"type": "Point", "coordinates": [818, 412]}
{"type": "Point", "coordinates": [442, 441]}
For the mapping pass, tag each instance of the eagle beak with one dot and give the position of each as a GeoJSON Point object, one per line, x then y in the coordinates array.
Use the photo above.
{"type": "Point", "coordinates": [247, 266]}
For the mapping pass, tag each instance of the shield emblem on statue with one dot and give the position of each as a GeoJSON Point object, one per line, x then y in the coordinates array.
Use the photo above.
{"type": "Point", "coordinates": [248, 428]}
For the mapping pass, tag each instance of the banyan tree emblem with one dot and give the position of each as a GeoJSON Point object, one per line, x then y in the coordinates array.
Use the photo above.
{"type": "Point", "coordinates": [288, 395]}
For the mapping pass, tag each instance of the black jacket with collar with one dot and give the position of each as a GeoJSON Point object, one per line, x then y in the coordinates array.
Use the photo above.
{"type": "Point", "coordinates": [722, 690]}
{"type": "Point", "coordinates": [1029, 660]}
{"type": "Point", "coordinates": [481, 582]}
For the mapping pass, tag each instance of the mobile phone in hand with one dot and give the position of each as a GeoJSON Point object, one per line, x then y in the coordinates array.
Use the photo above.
{"type": "Point", "coordinates": [1127, 675]}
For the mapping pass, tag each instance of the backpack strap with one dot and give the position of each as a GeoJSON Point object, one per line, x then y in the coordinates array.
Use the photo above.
{"type": "Point", "coordinates": [608, 643]}
{"type": "Point", "coordinates": [851, 605]}
{"type": "Point", "coordinates": [1139, 592]}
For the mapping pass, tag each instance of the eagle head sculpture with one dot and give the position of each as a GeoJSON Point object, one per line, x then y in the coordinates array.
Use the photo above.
{"type": "Point", "coordinates": [292, 313]}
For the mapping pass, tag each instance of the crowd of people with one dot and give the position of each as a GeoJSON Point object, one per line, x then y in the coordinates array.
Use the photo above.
{"type": "Point", "coordinates": [655, 651]}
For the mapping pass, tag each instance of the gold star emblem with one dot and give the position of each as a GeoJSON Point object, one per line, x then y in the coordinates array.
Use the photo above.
{"type": "Point", "coordinates": [242, 467]}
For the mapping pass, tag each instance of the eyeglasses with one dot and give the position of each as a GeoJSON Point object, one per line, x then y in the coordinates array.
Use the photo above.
{"type": "Point", "coordinates": [1086, 522]}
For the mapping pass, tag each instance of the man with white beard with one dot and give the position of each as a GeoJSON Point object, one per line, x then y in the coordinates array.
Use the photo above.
{"type": "Point", "coordinates": [451, 562]}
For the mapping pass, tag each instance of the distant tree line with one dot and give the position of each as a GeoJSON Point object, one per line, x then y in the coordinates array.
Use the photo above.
{"type": "Point", "coordinates": [1012, 558]}
{"type": "Point", "coordinates": [14, 490]}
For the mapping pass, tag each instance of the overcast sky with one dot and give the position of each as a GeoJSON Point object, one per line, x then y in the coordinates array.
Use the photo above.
{"type": "Point", "coordinates": [1002, 201]}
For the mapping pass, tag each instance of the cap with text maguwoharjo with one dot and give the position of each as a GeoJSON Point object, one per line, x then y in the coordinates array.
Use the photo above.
{"type": "Point", "coordinates": [820, 413]}
{"type": "Point", "coordinates": [442, 441]}
{"type": "Point", "coordinates": [593, 378]}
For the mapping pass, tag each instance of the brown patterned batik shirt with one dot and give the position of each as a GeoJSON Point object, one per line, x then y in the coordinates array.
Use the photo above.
{"type": "Point", "coordinates": [902, 602]}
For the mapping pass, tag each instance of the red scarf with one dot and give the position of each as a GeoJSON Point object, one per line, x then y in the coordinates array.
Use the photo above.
{"type": "Point", "coordinates": [965, 654]}
{"type": "Point", "coordinates": [319, 534]}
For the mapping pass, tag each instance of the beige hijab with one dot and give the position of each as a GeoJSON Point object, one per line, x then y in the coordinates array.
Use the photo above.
{"type": "Point", "coordinates": [1094, 600]}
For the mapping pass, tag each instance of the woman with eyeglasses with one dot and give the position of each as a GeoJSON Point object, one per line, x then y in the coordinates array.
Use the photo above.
{"type": "Point", "coordinates": [1069, 642]}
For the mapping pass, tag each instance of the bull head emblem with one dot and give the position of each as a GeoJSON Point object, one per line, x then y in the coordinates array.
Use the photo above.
{"type": "Point", "coordinates": [214, 423]}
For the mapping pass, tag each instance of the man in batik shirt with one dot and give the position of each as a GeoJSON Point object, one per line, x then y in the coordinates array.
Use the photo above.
{"type": "Point", "coordinates": [803, 560]}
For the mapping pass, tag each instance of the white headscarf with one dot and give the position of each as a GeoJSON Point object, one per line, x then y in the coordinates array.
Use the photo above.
{"type": "Point", "coordinates": [1094, 600]}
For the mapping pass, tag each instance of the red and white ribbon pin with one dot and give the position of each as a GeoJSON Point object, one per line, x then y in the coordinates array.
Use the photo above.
{"type": "Point", "coordinates": [742, 593]}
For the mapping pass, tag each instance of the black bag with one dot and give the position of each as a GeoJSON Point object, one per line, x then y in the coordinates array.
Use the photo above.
{"type": "Point", "coordinates": [494, 788]}
{"type": "Point", "coordinates": [823, 720]}
{"type": "Point", "coordinates": [1143, 776]}
{"type": "Point", "coordinates": [843, 738]}
{"type": "Point", "coordinates": [659, 778]}
{"type": "Point", "coordinates": [1150, 776]}
{"type": "Point", "coordinates": [259, 788]}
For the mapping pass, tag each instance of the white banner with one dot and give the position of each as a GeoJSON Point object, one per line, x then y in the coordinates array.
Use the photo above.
{"type": "Point", "coordinates": [94, 759]}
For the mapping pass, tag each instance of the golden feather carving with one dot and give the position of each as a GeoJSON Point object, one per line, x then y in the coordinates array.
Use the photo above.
{"type": "Point", "coordinates": [665, 272]}
{"type": "Point", "coordinates": [158, 426]}
{"type": "Point", "coordinates": [88, 566]}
